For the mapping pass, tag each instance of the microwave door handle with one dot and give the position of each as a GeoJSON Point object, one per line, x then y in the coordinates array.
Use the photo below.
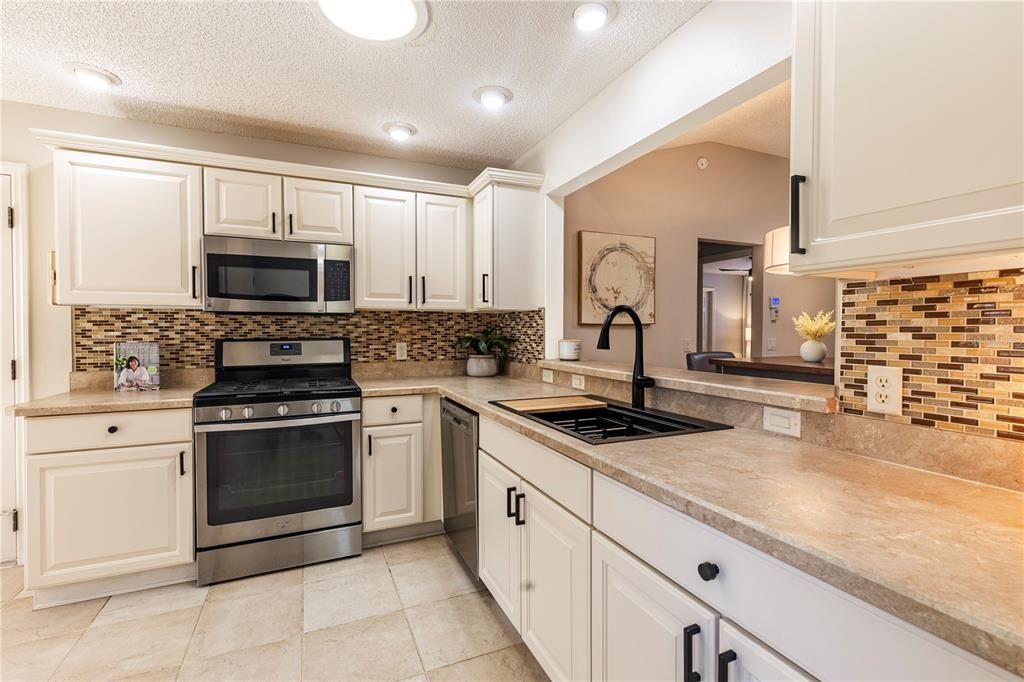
{"type": "Point", "coordinates": [276, 423]}
{"type": "Point", "coordinates": [321, 279]}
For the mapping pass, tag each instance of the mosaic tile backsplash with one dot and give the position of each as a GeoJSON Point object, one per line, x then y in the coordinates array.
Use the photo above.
{"type": "Point", "coordinates": [959, 339]}
{"type": "Point", "coordinates": [186, 336]}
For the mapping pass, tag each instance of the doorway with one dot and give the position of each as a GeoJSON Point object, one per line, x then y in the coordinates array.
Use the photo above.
{"type": "Point", "coordinates": [724, 285]}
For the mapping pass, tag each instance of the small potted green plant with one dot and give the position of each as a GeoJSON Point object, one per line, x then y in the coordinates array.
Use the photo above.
{"type": "Point", "coordinates": [486, 349]}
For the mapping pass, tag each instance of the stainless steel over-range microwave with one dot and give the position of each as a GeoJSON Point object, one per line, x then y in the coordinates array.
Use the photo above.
{"type": "Point", "coordinates": [263, 276]}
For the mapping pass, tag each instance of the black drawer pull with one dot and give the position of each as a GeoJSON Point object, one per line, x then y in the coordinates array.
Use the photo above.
{"type": "Point", "coordinates": [111, 429]}
{"type": "Point", "coordinates": [707, 571]}
{"type": "Point", "coordinates": [689, 632]}
{"type": "Point", "coordinates": [794, 213]}
{"type": "Point", "coordinates": [520, 520]}
{"type": "Point", "coordinates": [394, 410]}
{"type": "Point", "coordinates": [509, 492]}
{"type": "Point", "coordinates": [724, 659]}
{"type": "Point", "coordinates": [181, 463]}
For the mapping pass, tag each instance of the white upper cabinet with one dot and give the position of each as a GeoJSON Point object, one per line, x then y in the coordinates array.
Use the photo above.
{"type": "Point", "coordinates": [508, 253]}
{"type": "Point", "coordinates": [441, 252]}
{"type": "Point", "coordinates": [907, 125]}
{"type": "Point", "coordinates": [128, 231]}
{"type": "Point", "coordinates": [317, 211]}
{"type": "Point", "coordinates": [385, 236]}
{"type": "Point", "coordinates": [242, 204]}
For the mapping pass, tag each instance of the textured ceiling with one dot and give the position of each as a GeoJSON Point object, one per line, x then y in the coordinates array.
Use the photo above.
{"type": "Point", "coordinates": [275, 70]}
{"type": "Point", "coordinates": [760, 124]}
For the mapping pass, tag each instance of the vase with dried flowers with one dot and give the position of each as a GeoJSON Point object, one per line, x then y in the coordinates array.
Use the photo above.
{"type": "Point", "coordinates": [813, 330]}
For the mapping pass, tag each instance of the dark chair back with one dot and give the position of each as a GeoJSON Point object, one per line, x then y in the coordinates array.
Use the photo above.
{"type": "Point", "coordinates": [700, 362]}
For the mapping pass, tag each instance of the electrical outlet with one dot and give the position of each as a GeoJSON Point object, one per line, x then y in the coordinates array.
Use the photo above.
{"type": "Point", "coordinates": [578, 382]}
{"type": "Point", "coordinates": [771, 343]}
{"type": "Point", "coordinates": [885, 389]}
{"type": "Point", "coordinates": [401, 350]}
{"type": "Point", "coordinates": [547, 376]}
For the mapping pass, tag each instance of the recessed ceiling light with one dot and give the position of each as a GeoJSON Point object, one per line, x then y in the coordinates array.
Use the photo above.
{"type": "Point", "coordinates": [591, 16]}
{"type": "Point", "coordinates": [92, 76]}
{"type": "Point", "coordinates": [377, 21]}
{"type": "Point", "coordinates": [399, 132]}
{"type": "Point", "coordinates": [492, 97]}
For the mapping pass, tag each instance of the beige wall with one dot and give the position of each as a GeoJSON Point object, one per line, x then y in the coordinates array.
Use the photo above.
{"type": "Point", "coordinates": [49, 325]}
{"type": "Point", "coordinates": [728, 322]}
{"type": "Point", "coordinates": [797, 294]}
{"type": "Point", "coordinates": [739, 197]}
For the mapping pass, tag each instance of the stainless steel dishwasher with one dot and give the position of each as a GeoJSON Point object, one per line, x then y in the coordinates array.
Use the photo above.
{"type": "Point", "coordinates": [458, 468]}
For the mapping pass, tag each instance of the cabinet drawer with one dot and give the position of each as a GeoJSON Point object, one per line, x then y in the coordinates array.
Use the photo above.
{"type": "Point", "coordinates": [825, 631]}
{"type": "Point", "coordinates": [560, 478]}
{"type": "Point", "coordinates": [108, 430]}
{"type": "Point", "coordinates": [401, 409]}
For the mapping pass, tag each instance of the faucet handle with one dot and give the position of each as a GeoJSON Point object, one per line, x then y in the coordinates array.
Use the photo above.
{"type": "Point", "coordinates": [645, 382]}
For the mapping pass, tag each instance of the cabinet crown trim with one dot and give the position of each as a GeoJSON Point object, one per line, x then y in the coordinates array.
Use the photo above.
{"type": "Point", "coordinates": [56, 139]}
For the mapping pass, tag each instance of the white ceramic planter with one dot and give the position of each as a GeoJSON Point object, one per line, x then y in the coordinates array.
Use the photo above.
{"type": "Point", "coordinates": [813, 351]}
{"type": "Point", "coordinates": [482, 365]}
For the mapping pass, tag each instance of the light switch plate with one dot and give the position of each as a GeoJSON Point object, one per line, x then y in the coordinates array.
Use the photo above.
{"type": "Point", "coordinates": [885, 389]}
{"type": "Point", "coordinates": [401, 350]}
{"type": "Point", "coordinates": [786, 422]}
{"type": "Point", "coordinates": [578, 381]}
{"type": "Point", "coordinates": [772, 345]}
{"type": "Point", "coordinates": [547, 376]}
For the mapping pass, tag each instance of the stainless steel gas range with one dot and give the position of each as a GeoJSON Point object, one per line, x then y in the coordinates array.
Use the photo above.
{"type": "Point", "coordinates": [277, 441]}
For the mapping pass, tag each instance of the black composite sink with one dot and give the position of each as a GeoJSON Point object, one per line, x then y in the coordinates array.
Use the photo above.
{"type": "Point", "coordinates": [617, 422]}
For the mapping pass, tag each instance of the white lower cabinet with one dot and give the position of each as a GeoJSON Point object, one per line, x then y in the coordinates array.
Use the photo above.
{"type": "Point", "coordinates": [100, 513]}
{"type": "Point", "coordinates": [393, 476]}
{"type": "Point", "coordinates": [742, 658]}
{"type": "Point", "coordinates": [499, 550]}
{"type": "Point", "coordinates": [644, 627]}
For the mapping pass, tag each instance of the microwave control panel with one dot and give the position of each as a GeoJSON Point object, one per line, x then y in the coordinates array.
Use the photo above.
{"type": "Point", "coordinates": [337, 280]}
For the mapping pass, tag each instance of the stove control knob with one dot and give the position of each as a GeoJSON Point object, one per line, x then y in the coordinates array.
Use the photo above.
{"type": "Point", "coordinates": [282, 409]}
{"type": "Point", "coordinates": [336, 406]}
{"type": "Point", "coordinates": [248, 412]}
{"type": "Point", "coordinates": [316, 408]}
{"type": "Point", "coordinates": [225, 413]}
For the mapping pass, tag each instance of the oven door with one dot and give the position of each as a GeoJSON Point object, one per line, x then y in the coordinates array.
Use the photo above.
{"type": "Point", "coordinates": [253, 275]}
{"type": "Point", "coordinates": [258, 480]}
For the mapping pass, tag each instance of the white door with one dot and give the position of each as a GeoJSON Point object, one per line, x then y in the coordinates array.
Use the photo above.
{"type": "Point", "coordinates": [498, 535]}
{"type": "Point", "coordinates": [99, 513]}
{"type": "Point", "coordinates": [645, 627]}
{"type": "Point", "coordinates": [741, 658]}
{"type": "Point", "coordinates": [906, 122]}
{"type": "Point", "coordinates": [483, 245]}
{"type": "Point", "coordinates": [393, 476]}
{"type": "Point", "coordinates": [385, 246]}
{"type": "Point", "coordinates": [317, 211]}
{"type": "Point", "coordinates": [441, 233]}
{"type": "Point", "coordinates": [242, 204]}
{"type": "Point", "coordinates": [556, 587]}
{"type": "Point", "coordinates": [8, 443]}
{"type": "Point", "coordinates": [129, 231]}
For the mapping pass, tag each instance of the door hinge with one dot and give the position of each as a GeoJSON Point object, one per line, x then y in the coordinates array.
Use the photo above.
{"type": "Point", "coordinates": [14, 370]}
{"type": "Point", "coordinates": [13, 513]}
{"type": "Point", "coordinates": [10, 217]}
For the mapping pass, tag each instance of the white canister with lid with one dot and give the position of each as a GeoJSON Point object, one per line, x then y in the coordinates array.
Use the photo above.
{"type": "Point", "coordinates": [569, 349]}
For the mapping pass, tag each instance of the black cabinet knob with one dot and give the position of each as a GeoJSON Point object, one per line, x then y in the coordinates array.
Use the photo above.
{"type": "Point", "coordinates": [707, 571]}
{"type": "Point", "coordinates": [394, 410]}
{"type": "Point", "coordinates": [111, 429]}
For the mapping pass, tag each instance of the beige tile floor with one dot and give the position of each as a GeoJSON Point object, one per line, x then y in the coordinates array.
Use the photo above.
{"type": "Point", "coordinates": [403, 612]}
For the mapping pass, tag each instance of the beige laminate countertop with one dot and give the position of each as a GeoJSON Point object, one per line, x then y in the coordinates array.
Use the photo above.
{"type": "Point", "coordinates": [942, 553]}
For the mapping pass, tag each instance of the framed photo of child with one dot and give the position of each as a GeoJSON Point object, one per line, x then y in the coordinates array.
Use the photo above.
{"type": "Point", "coordinates": [136, 366]}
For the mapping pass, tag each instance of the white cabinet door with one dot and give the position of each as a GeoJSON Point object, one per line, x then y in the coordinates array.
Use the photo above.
{"type": "Point", "coordinates": [129, 231]}
{"type": "Point", "coordinates": [242, 204]}
{"type": "Point", "coordinates": [645, 627]}
{"type": "Point", "coordinates": [393, 476]}
{"type": "Point", "coordinates": [741, 658]}
{"type": "Point", "coordinates": [99, 513]}
{"type": "Point", "coordinates": [556, 587]}
{"type": "Point", "coordinates": [385, 241]}
{"type": "Point", "coordinates": [441, 233]}
{"type": "Point", "coordinates": [317, 211]}
{"type": "Point", "coordinates": [483, 245]}
{"type": "Point", "coordinates": [498, 536]}
{"type": "Point", "coordinates": [907, 125]}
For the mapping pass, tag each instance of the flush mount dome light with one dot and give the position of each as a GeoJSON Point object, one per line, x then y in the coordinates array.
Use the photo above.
{"type": "Point", "coordinates": [492, 97]}
{"type": "Point", "coordinates": [92, 76]}
{"type": "Point", "coordinates": [399, 132]}
{"type": "Point", "coordinates": [591, 16]}
{"type": "Point", "coordinates": [377, 21]}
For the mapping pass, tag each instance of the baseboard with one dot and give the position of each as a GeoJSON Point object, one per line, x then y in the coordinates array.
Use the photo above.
{"type": "Point", "coordinates": [58, 595]}
{"type": "Point", "coordinates": [388, 536]}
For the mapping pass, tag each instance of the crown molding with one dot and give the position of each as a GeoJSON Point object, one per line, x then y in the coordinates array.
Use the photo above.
{"type": "Point", "coordinates": [504, 177]}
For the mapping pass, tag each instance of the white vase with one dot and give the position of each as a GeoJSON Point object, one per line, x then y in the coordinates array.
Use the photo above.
{"type": "Point", "coordinates": [482, 365]}
{"type": "Point", "coordinates": [813, 351]}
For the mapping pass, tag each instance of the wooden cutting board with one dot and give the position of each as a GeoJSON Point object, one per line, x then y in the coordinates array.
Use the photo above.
{"type": "Point", "coordinates": [567, 402]}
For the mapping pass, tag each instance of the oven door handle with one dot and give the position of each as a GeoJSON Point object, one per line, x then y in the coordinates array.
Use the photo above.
{"type": "Point", "coordinates": [282, 424]}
